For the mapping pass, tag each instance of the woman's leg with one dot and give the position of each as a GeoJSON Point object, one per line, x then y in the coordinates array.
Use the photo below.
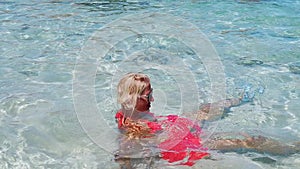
{"type": "Point", "coordinates": [125, 163]}
{"type": "Point", "coordinates": [135, 153]}
{"type": "Point", "coordinates": [134, 163]}
{"type": "Point", "coordinates": [258, 144]}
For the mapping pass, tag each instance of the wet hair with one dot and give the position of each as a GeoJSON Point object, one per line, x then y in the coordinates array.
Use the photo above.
{"type": "Point", "coordinates": [130, 87]}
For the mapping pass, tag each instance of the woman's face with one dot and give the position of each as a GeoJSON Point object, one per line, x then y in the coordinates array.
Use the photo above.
{"type": "Point", "coordinates": [143, 103]}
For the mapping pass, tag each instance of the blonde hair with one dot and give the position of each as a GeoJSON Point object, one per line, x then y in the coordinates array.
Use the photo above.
{"type": "Point", "coordinates": [130, 88]}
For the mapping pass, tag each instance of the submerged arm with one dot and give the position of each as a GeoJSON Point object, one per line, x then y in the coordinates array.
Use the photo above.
{"type": "Point", "coordinates": [212, 111]}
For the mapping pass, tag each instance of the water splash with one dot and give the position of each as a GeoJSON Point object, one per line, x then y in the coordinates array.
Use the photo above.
{"type": "Point", "coordinates": [249, 91]}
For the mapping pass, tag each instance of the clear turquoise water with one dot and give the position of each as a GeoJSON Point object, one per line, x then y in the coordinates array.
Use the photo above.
{"type": "Point", "coordinates": [257, 42]}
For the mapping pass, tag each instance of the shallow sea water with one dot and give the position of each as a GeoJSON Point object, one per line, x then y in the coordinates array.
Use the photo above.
{"type": "Point", "coordinates": [258, 44]}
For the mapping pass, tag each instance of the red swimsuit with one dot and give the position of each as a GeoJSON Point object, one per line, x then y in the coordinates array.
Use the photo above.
{"type": "Point", "coordinates": [183, 140]}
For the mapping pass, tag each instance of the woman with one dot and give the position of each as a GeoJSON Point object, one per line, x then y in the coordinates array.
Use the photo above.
{"type": "Point", "coordinates": [172, 138]}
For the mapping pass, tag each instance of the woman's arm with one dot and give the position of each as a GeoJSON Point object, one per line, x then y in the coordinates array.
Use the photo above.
{"type": "Point", "coordinates": [213, 111]}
